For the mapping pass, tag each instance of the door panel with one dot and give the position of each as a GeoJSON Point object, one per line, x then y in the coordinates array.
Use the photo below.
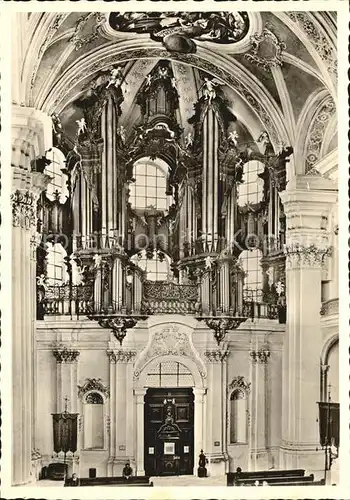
{"type": "Point", "coordinates": [169, 454]}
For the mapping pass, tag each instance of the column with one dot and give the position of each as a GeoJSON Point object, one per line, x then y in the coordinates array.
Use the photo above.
{"type": "Point", "coordinates": [140, 431]}
{"type": "Point", "coordinates": [199, 438]}
{"type": "Point", "coordinates": [307, 202]}
{"type": "Point", "coordinates": [31, 137]}
{"type": "Point", "coordinates": [215, 412]}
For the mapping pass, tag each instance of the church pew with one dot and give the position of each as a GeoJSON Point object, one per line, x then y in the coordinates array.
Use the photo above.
{"type": "Point", "coordinates": [232, 477]}
{"type": "Point", "coordinates": [291, 480]}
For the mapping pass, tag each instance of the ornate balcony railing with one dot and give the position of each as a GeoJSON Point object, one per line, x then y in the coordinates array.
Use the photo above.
{"type": "Point", "coordinates": [158, 297]}
{"type": "Point", "coordinates": [162, 297]}
{"type": "Point", "coordinates": [66, 299]}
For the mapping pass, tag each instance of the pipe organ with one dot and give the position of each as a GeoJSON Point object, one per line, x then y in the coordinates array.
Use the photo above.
{"type": "Point", "coordinates": [203, 229]}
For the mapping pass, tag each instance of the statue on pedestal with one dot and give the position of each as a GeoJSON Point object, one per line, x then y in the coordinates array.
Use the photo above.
{"type": "Point", "coordinates": [202, 470]}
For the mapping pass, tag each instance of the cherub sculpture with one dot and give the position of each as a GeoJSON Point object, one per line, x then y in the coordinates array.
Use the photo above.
{"type": "Point", "coordinates": [116, 77]}
{"type": "Point", "coordinates": [208, 87]}
{"type": "Point", "coordinates": [122, 133]}
{"type": "Point", "coordinates": [189, 140]}
{"type": "Point", "coordinates": [232, 137]}
{"type": "Point", "coordinates": [81, 126]}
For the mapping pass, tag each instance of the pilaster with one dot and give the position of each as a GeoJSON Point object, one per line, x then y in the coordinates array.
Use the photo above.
{"type": "Point", "coordinates": [140, 431]}
{"type": "Point", "coordinates": [215, 414]}
{"type": "Point", "coordinates": [121, 409]}
{"type": "Point", "coordinates": [259, 429]}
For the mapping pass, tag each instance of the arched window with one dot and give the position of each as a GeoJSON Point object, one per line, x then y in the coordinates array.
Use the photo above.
{"type": "Point", "coordinates": [56, 267]}
{"type": "Point", "coordinates": [58, 183]}
{"type": "Point", "coordinates": [150, 186]}
{"type": "Point", "coordinates": [253, 280]}
{"type": "Point", "coordinates": [251, 190]}
{"type": "Point", "coordinates": [157, 268]}
{"type": "Point", "coordinates": [93, 421]}
{"type": "Point", "coordinates": [238, 416]}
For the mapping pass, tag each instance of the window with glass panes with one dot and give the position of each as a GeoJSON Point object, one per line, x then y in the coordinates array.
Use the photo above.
{"type": "Point", "coordinates": [149, 188]}
{"type": "Point", "coordinates": [157, 269]}
{"type": "Point", "coordinates": [55, 264]}
{"type": "Point", "coordinates": [169, 374]}
{"type": "Point", "coordinates": [251, 190]}
{"type": "Point", "coordinates": [253, 279]}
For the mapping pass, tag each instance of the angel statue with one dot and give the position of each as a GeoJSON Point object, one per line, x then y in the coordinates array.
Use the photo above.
{"type": "Point", "coordinates": [189, 140]}
{"type": "Point", "coordinates": [122, 135]}
{"type": "Point", "coordinates": [208, 87]}
{"type": "Point", "coordinates": [97, 260]}
{"type": "Point", "coordinates": [81, 126]}
{"type": "Point", "coordinates": [232, 137]}
{"type": "Point", "coordinates": [148, 80]}
{"type": "Point", "coordinates": [116, 77]}
{"type": "Point", "coordinates": [173, 82]}
{"type": "Point", "coordinates": [209, 261]}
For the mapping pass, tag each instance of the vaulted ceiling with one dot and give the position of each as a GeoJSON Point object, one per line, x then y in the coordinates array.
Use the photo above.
{"type": "Point", "coordinates": [280, 76]}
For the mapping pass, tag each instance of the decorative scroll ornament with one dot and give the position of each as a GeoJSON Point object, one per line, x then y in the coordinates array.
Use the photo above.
{"type": "Point", "coordinates": [316, 135]}
{"type": "Point", "coordinates": [119, 325]}
{"type": "Point", "coordinates": [66, 354]}
{"type": "Point", "coordinates": [267, 49]}
{"type": "Point", "coordinates": [221, 325]}
{"type": "Point", "coordinates": [87, 29]}
{"type": "Point", "coordinates": [170, 341]}
{"type": "Point", "coordinates": [239, 382]}
{"type": "Point", "coordinates": [177, 31]}
{"type": "Point", "coordinates": [262, 355]}
{"type": "Point", "coordinates": [215, 356]}
{"type": "Point", "coordinates": [306, 256]}
{"type": "Point", "coordinates": [23, 209]}
{"type": "Point", "coordinates": [320, 43]}
{"type": "Point", "coordinates": [93, 384]}
{"type": "Point", "coordinates": [122, 356]}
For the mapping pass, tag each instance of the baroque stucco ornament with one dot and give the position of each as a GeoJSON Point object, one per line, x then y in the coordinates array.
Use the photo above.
{"type": "Point", "coordinates": [316, 135]}
{"type": "Point", "coordinates": [64, 354]}
{"type": "Point", "coordinates": [121, 355]}
{"type": "Point", "coordinates": [239, 382]}
{"type": "Point", "coordinates": [87, 29]}
{"type": "Point", "coordinates": [306, 256]}
{"type": "Point", "coordinates": [93, 384]}
{"type": "Point", "coordinates": [171, 340]}
{"type": "Point", "coordinates": [23, 209]}
{"type": "Point", "coordinates": [267, 49]}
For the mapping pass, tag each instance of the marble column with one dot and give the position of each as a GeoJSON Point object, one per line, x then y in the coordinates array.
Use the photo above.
{"type": "Point", "coordinates": [216, 414]}
{"type": "Point", "coordinates": [199, 437]}
{"type": "Point", "coordinates": [31, 137]}
{"type": "Point", "coordinates": [307, 203]}
{"type": "Point", "coordinates": [140, 430]}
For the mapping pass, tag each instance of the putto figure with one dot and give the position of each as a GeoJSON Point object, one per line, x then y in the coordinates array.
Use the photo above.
{"type": "Point", "coordinates": [81, 126]}
{"type": "Point", "coordinates": [116, 77]}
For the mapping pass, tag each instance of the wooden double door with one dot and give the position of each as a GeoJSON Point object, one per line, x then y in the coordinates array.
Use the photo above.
{"type": "Point", "coordinates": [169, 432]}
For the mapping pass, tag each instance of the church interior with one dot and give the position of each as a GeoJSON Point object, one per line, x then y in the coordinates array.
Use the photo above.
{"type": "Point", "coordinates": [174, 247]}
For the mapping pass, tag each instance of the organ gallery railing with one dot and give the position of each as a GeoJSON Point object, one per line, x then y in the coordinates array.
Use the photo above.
{"type": "Point", "coordinates": [162, 297]}
{"type": "Point", "coordinates": [158, 297]}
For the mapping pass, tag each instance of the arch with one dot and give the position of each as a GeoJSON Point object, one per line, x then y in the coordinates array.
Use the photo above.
{"type": "Point", "coordinates": [88, 396]}
{"type": "Point", "coordinates": [327, 347]}
{"type": "Point", "coordinates": [230, 72]}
